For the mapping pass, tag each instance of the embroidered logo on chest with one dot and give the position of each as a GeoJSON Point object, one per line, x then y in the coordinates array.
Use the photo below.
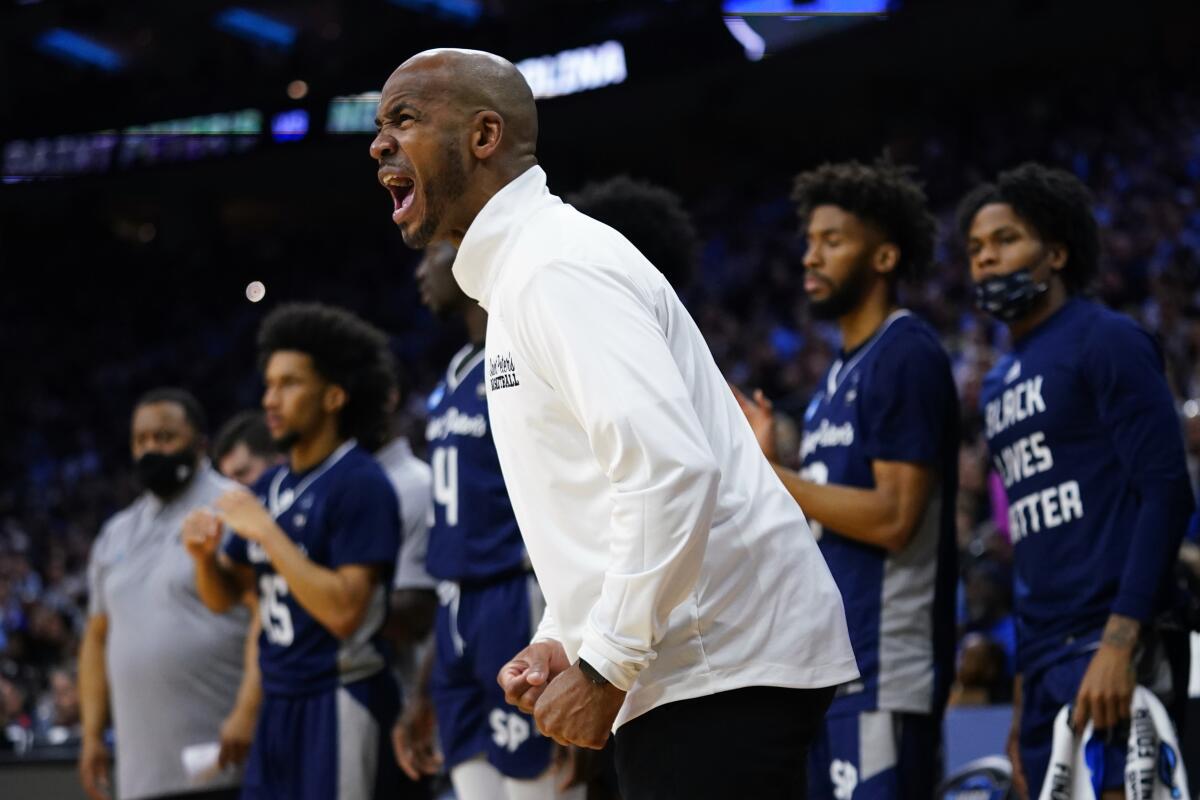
{"type": "Point", "coordinates": [502, 372]}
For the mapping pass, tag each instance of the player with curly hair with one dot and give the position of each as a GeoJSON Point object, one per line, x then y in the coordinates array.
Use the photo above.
{"type": "Point", "coordinates": [318, 537]}
{"type": "Point", "coordinates": [878, 480]}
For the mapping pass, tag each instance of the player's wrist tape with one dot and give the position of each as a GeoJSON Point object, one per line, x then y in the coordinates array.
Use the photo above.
{"type": "Point", "coordinates": [591, 674]}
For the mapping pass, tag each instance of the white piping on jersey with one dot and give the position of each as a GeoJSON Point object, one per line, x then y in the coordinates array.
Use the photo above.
{"type": "Point", "coordinates": [278, 505]}
{"type": "Point", "coordinates": [831, 382]}
{"type": "Point", "coordinates": [449, 593]}
{"type": "Point", "coordinates": [456, 371]}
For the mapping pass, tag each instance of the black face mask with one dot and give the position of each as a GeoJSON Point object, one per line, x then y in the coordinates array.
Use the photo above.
{"type": "Point", "coordinates": [1009, 297]}
{"type": "Point", "coordinates": [164, 474]}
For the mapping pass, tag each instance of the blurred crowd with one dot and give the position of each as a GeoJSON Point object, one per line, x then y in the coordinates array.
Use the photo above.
{"type": "Point", "coordinates": [67, 466]}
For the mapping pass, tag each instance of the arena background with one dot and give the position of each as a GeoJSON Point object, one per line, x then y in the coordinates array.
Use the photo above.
{"type": "Point", "coordinates": [158, 157]}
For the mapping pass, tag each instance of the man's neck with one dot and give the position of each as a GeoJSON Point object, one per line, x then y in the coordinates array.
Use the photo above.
{"type": "Point", "coordinates": [861, 322]}
{"type": "Point", "coordinates": [307, 453]}
{"type": "Point", "coordinates": [495, 178]}
{"type": "Point", "coordinates": [1055, 298]}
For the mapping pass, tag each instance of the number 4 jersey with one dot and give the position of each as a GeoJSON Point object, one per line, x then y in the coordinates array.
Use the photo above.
{"type": "Point", "coordinates": [891, 399]}
{"type": "Point", "coordinates": [474, 536]}
{"type": "Point", "coordinates": [342, 511]}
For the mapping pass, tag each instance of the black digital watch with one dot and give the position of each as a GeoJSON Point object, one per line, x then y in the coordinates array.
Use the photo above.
{"type": "Point", "coordinates": [592, 675]}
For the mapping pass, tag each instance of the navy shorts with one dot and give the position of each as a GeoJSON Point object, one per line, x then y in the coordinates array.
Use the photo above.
{"type": "Point", "coordinates": [332, 745]}
{"type": "Point", "coordinates": [889, 755]}
{"type": "Point", "coordinates": [478, 630]}
{"type": "Point", "coordinates": [1044, 693]}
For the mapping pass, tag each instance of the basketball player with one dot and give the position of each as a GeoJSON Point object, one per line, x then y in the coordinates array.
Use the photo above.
{"type": "Point", "coordinates": [686, 598]}
{"type": "Point", "coordinates": [319, 541]}
{"type": "Point", "coordinates": [1082, 429]}
{"type": "Point", "coordinates": [879, 475]}
{"type": "Point", "coordinates": [490, 601]}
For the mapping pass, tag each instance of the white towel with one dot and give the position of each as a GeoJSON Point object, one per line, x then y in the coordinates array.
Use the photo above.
{"type": "Point", "coordinates": [1153, 764]}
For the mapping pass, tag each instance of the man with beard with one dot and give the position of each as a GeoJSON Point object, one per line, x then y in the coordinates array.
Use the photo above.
{"type": "Point", "coordinates": [1082, 428]}
{"type": "Point", "coordinates": [320, 542]}
{"type": "Point", "coordinates": [686, 599]}
{"type": "Point", "coordinates": [879, 474]}
{"type": "Point", "coordinates": [152, 654]}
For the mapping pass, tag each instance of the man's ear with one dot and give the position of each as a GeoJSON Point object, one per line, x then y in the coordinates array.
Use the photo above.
{"type": "Point", "coordinates": [1057, 255]}
{"type": "Point", "coordinates": [887, 256]}
{"type": "Point", "coordinates": [487, 130]}
{"type": "Point", "coordinates": [334, 399]}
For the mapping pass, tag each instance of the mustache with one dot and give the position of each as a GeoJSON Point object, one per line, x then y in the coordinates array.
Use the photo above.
{"type": "Point", "coordinates": [812, 273]}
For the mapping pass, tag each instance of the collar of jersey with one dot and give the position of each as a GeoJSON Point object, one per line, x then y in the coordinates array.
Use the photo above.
{"type": "Point", "coordinates": [273, 502]}
{"type": "Point", "coordinates": [461, 365]}
{"type": "Point", "coordinates": [832, 384]}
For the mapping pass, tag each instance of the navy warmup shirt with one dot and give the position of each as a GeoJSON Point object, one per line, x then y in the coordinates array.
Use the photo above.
{"type": "Point", "coordinates": [1082, 428]}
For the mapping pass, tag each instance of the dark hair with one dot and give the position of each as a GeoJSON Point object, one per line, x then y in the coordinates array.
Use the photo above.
{"type": "Point", "coordinates": [245, 427]}
{"type": "Point", "coordinates": [192, 410]}
{"type": "Point", "coordinates": [651, 217]}
{"type": "Point", "coordinates": [345, 350]}
{"type": "Point", "coordinates": [882, 194]}
{"type": "Point", "coordinates": [1056, 204]}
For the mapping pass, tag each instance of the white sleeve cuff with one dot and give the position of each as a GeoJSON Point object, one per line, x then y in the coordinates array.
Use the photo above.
{"type": "Point", "coordinates": [619, 675]}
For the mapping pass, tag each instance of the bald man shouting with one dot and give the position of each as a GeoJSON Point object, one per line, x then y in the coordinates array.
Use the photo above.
{"type": "Point", "coordinates": [688, 607]}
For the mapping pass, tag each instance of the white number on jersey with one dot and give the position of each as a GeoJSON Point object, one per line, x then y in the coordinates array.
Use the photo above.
{"type": "Point", "coordinates": [276, 617]}
{"type": "Point", "coordinates": [445, 481]}
{"type": "Point", "coordinates": [816, 472]}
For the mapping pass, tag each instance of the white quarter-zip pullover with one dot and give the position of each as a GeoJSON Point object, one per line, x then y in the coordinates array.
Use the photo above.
{"type": "Point", "coordinates": [671, 556]}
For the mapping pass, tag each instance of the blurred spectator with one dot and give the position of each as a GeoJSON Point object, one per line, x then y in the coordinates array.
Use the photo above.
{"type": "Point", "coordinates": [56, 718]}
{"type": "Point", "coordinates": [982, 678]}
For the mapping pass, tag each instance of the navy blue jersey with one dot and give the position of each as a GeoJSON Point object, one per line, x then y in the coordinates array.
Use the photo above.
{"type": "Point", "coordinates": [892, 399]}
{"type": "Point", "coordinates": [342, 511]}
{"type": "Point", "coordinates": [1082, 429]}
{"type": "Point", "coordinates": [474, 536]}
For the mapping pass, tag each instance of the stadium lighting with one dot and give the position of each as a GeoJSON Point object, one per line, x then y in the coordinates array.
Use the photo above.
{"type": "Point", "coordinates": [255, 27]}
{"type": "Point", "coordinates": [70, 46]}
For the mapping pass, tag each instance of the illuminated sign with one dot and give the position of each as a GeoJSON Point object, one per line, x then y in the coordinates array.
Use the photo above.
{"type": "Point", "coordinates": [177, 140]}
{"type": "Point", "coordinates": [289, 126]}
{"type": "Point", "coordinates": [565, 73]}
{"type": "Point", "coordinates": [576, 70]}
{"type": "Point", "coordinates": [352, 113]}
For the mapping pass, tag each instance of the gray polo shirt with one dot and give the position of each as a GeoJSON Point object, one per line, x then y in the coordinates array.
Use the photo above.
{"type": "Point", "coordinates": [173, 666]}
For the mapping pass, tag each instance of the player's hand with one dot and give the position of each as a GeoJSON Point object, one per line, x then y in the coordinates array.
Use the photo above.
{"type": "Point", "coordinates": [761, 415]}
{"type": "Point", "coordinates": [573, 710]}
{"type": "Point", "coordinates": [240, 510]}
{"type": "Point", "coordinates": [237, 734]}
{"type": "Point", "coordinates": [530, 671]}
{"type": "Point", "coordinates": [576, 766]}
{"type": "Point", "coordinates": [201, 534]}
{"type": "Point", "coordinates": [1013, 750]}
{"type": "Point", "coordinates": [1106, 692]}
{"type": "Point", "coordinates": [94, 769]}
{"type": "Point", "coordinates": [413, 741]}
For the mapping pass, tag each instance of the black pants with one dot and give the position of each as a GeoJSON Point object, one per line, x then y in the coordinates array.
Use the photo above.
{"type": "Point", "coordinates": [743, 743]}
